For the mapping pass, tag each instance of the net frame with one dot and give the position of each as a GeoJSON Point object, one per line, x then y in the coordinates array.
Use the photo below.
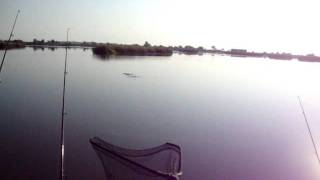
{"type": "Point", "coordinates": [123, 155]}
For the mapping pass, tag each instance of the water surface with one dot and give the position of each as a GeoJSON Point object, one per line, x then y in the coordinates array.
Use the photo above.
{"type": "Point", "coordinates": [234, 118]}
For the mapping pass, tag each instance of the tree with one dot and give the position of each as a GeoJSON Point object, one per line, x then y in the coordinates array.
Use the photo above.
{"type": "Point", "coordinates": [146, 44]}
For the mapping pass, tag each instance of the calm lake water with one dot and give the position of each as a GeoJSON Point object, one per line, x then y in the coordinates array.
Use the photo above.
{"type": "Point", "coordinates": [234, 118]}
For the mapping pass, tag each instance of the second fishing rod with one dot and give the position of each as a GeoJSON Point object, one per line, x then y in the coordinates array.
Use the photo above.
{"type": "Point", "coordinates": [63, 113]}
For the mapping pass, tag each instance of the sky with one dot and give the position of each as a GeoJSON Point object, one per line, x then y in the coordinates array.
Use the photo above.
{"type": "Point", "coordinates": [257, 25]}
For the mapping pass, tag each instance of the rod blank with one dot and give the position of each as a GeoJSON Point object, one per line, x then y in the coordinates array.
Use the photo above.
{"type": "Point", "coordinates": [11, 34]}
{"type": "Point", "coordinates": [63, 113]}
{"type": "Point", "coordinates": [309, 130]}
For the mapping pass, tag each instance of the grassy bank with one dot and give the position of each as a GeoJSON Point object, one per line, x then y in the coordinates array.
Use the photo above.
{"type": "Point", "coordinates": [16, 44]}
{"type": "Point", "coordinates": [131, 50]}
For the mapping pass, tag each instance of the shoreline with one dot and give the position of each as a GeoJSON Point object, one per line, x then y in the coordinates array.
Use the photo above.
{"type": "Point", "coordinates": [106, 49]}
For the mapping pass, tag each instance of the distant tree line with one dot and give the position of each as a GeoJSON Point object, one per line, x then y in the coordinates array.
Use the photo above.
{"type": "Point", "coordinates": [14, 44]}
{"type": "Point", "coordinates": [53, 42]}
{"type": "Point", "coordinates": [132, 50]}
{"type": "Point", "coordinates": [189, 49]}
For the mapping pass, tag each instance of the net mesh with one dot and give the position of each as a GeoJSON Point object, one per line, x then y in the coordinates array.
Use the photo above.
{"type": "Point", "coordinates": [159, 163]}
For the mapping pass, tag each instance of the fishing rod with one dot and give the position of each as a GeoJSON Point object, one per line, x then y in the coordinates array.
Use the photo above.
{"type": "Point", "coordinates": [63, 113]}
{"type": "Point", "coordinates": [309, 130]}
{"type": "Point", "coordinates": [6, 47]}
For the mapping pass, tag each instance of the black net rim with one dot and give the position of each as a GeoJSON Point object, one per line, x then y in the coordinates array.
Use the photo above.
{"type": "Point", "coordinates": [121, 153]}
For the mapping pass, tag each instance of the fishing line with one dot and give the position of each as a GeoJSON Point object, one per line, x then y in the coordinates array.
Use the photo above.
{"type": "Point", "coordinates": [309, 130]}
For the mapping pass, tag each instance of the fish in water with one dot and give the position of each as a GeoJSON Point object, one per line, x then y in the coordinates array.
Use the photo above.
{"type": "Point", "coordinates": [130, 75]}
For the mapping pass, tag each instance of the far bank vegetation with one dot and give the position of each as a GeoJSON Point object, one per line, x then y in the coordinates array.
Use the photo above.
{"type": "Point", "coordinates": [132, 50]}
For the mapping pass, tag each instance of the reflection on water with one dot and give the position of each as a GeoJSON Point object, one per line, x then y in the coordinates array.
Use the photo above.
{"type": "Point", "coordinates": [234, 118]}
{"type": "Point", "coordinates": [102, 57]}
